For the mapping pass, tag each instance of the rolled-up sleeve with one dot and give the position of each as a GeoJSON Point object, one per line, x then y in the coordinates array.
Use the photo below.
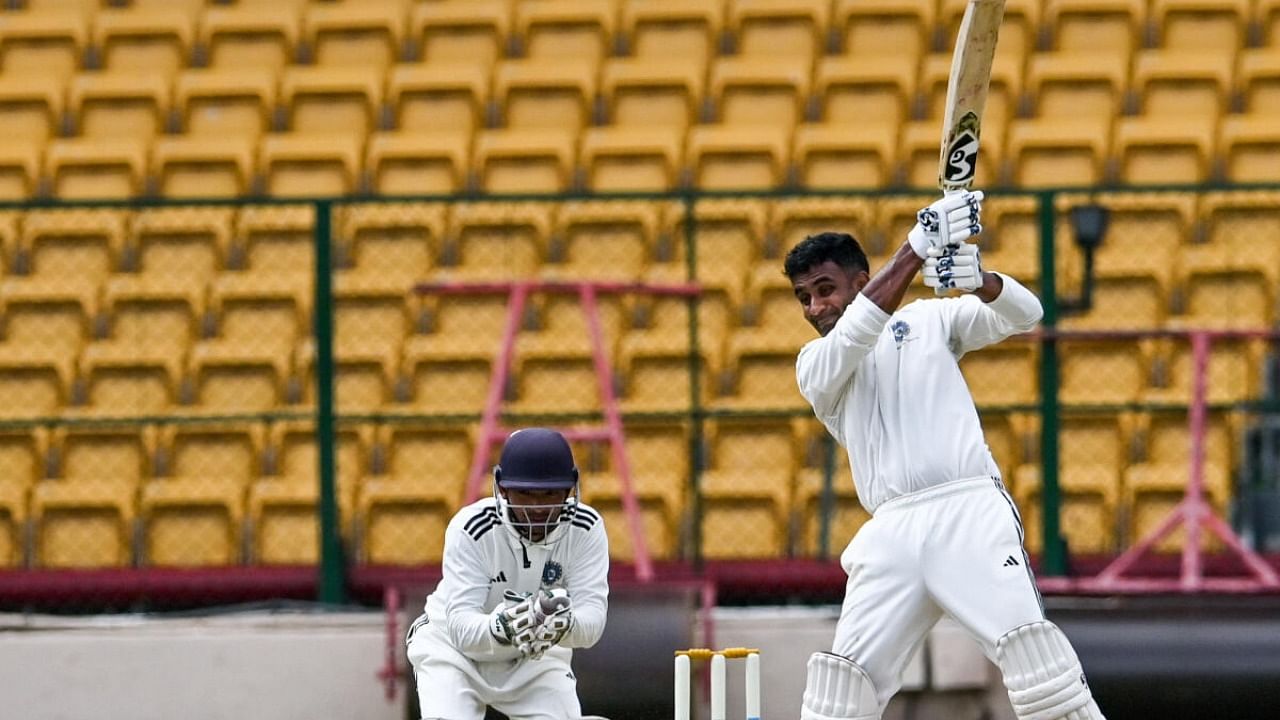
{"type": "Point", "coordinates": [825, 366]}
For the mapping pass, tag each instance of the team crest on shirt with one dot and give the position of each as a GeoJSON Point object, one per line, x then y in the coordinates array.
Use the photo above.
{"type": "Point", "coordinates": [901, 332]}
{"type": "Point", "coordinates": [552, 572]}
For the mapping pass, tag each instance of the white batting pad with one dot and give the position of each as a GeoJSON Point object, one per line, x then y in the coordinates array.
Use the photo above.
{"type": "Point", "coordinates": [1043, 675]}
{"type": "Point", "coordinates": [837, 689]}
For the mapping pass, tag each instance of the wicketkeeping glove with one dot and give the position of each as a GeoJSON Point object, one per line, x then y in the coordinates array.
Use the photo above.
{"type": "Point", "coordinates": [554, 610]}
{"type": "Point", "coordinates": [958, 268]}
{"type": "Point", "coordinates": [513, 622]}
{"type": "Point", "coordinates": [947, 222]}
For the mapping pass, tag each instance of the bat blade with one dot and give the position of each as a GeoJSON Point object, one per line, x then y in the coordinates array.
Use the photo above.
{"type": "Point", "coordinates": [967, 93]}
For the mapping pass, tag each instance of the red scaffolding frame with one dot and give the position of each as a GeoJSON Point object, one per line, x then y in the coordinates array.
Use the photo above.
{"type": "Point", "coordinates": [492, 432]}
{"type": "Point", "coordinates": [1193, 512]}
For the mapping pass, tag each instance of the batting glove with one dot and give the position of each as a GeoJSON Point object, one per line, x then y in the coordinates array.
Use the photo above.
{"type": "Point", "coordinates": [958, 268]}
{"type": "Point", "coordinates": [947, 222]}
{"type": "Point", "coordinates": [513, 622]}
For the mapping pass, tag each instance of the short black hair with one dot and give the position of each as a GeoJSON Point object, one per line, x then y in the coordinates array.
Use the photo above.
{"type": "Point", "coordinates": [840, 248]}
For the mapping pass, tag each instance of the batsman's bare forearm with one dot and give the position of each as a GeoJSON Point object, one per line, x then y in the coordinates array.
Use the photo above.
{"type": "Point", "coordinates": [890, 284]}
{"type": "Point", "coordinates": [991, 287]}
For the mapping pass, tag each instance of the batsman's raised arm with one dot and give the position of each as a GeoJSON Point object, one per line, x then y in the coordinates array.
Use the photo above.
{"type": "Point", "coordinates": [977, 321]}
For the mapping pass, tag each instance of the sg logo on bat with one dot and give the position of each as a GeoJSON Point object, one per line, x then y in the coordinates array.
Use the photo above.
{"type": "Point", "coordinates": [962, 152]}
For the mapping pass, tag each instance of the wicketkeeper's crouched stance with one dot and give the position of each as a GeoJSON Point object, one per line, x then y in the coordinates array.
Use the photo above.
{"type": "Point", "coordinates": [525, 578]}
{"type": "Point", "coordinates": [944, 536]}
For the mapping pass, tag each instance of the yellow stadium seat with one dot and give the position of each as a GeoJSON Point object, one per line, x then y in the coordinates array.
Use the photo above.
{"type": "Point", "coordinates": [1268, 19]}
{"type": "Point", "coordinates": [1250, 149]}
{"type": "Point", "coordinates": [499, 241]}
{"type": "Point", "coordinates": [1183, 85]}
{"type": "Point", "coordinates": [438, 98]}
{"type": "Point", "coordinates": [760, 369]}
{"type": "Point", "coordinates": [1232, 220]}
{"type": "Point", "coordinates": [320, 99]}
{"type": "Point", "coordinates": [354, 34]}
{"type": "Point", "coordinates": [1143, 225]}
{"type": "Point", "coordinates": [397, 244]}
{"type": "Point", "coordinates": [22, 464]}
{"type": "Point", "coordinates": [730, 239]}
{"type": "Point", "coordinates": [606, 239]}
{"type": "Point", "coordinates": [46, 316]}
{"type": "Point", "coordinates": [748, 157]}
{"type": "Point", "coordinates": [657, 456]}
{"type": "Point", "coordinates": [551, 381]}
{"type": "Point", "coordinates": [402, 514]}
{"type": "Point", "coordinates": [770, 303]}
{"type": "Point", "coordinates": [1011, 438]}
{"type": "Point", "coordinates": [654, 367]}
{"type": "Point", "coordinates": [192, 522]}
{"type": "Point", "coordinates": [143, 39]}
{"type": "Point", "coordinates": [76, 247]}
{"type": "Point", "coordinates": [1164, 436]}
{"type": "Point", "coordinates": [780, 28]}
{"type": "Point", "coordinates": [231, 451]}
{"type": "Point", "coordinates": [1076, 84]}
{"type": "Point", "coordinates": [153, 315]}
{"type": "Point", "coordinates": [632, 158]}
{"type": "Point", "coordinates": [536, 93]}
{"type": "Point", "coordinates": [194, 166]}
{"type": "Point", "coordinates": [283, 510]}
{"type": "Point", "coordinates": [1258, 82]}
{"type": "Point", "coordinates": [31, 108]}
{"type": "Point", "coordinates": [893, 28]}
{"type": "Point", "coordinates": [1234, 372]}
{"type": "Point", "coordinates": [1058, 151]}
{"type": "Point", "coordinates": [311, 164]}
{"type": "Point", "coordinates": [1088, 497]}
{"type": "Point", "coordinates": [446, 375]}
{"type": "Point", "coordinates": [647, 92]}
{"type": "Point", "coordinates": [232, 378]}
{"type": "Point", "coordinates": [893, 218]}
{"type": "Point", "coordinates": [36, 381]}
{"type": "Point", "coordinates": [1004, 374]}
{"type": "Point", "coordinates": [689, 30]}
{"type": "Point", "coordinates": [747, 488]}
{"type": "Point", "coordinates": [123, 380]}
{"type": "Point", "coordinates": [1124, 300]}
{"type": "Point", "coordinates": [1225, 295]}
{"type": "Point", "coordinates": [95, 168]}
{"type": "Point", "coordinates": [793, 219]}
{"type": "Point", "coordinates": [568, 30]}
{"type": "Point", "coordinates": [45, 44]}
{"type": "Point", "coordinates": [851, 90]}
{"type": "Point", "coordinates": [244, 36]}
{"type": "Point", "coordinates": [85, 516]}
{"type": "Point", "coordinates": [1019, 30]}
{"type": "Point", "coordinates": [559, 326]}
{"type": "Point", "coordinates": [274, 242]}
{"type": "Point", "coordinates": [847, 514]}
{"type": "Point", "coordinates": [1163, 150]}
{"type": "Point", "coordinates": [474, 33]}
{"type": "Point", "coordinates": [1104, 371]}
{"type": "Point", "coordinates": [190, 243]}
{"type": "Point", "coordinates": [225, 102]}
{"type": "Point", "coordinates": [20, 170]}
{"type": "Point", "coordinates": [521, 160]}
{"type": "Point", "coordinates": [834, 156]}
{"type": "Point", "coordinates": [1106, 27]}
{"type": "Point", "coordinates": [1212, 26]}
{"type": "Point", "coordinates": [418, 163]}
{"type": "Point", "coordinates": [114, 105]}
{"type": "Point", "coordinates": [760, 91]}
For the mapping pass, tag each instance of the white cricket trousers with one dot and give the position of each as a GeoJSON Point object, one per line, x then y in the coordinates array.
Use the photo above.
{"type": "Point", "coordinates": [954, 548]}
{"type": "Point", "coordinates": [453, 687]}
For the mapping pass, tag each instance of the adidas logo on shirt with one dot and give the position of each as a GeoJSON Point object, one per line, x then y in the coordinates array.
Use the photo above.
{"type": "Point", "coordinates": [1011, 561]}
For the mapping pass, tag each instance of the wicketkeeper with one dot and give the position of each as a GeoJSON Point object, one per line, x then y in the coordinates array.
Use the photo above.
{"type": "Point", "coordinates": [944, 536]}
{"type": "Point", "coordinates": [525, 579]}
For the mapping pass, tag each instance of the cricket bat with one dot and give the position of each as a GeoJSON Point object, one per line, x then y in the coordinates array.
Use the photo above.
{"type": "Point", "coordinates": [967, 93]}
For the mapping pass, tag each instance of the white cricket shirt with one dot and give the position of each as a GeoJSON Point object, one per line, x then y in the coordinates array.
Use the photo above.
{"type": "Point", "coordinates": [889, 388]}
{"type": "Point", "coordinates": [482, 558]}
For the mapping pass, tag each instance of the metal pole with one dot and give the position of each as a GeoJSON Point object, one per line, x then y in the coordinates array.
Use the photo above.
{"type": "Point", "coordinates": [1055, 560]}
{"type": "Point", "coordinates": [332, 566]}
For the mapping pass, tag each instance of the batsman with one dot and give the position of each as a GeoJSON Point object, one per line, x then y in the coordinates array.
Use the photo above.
{"type": "Point", "coordinates": [525, 580]}
{"type": "Point", "coordinates": [944, 536]}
